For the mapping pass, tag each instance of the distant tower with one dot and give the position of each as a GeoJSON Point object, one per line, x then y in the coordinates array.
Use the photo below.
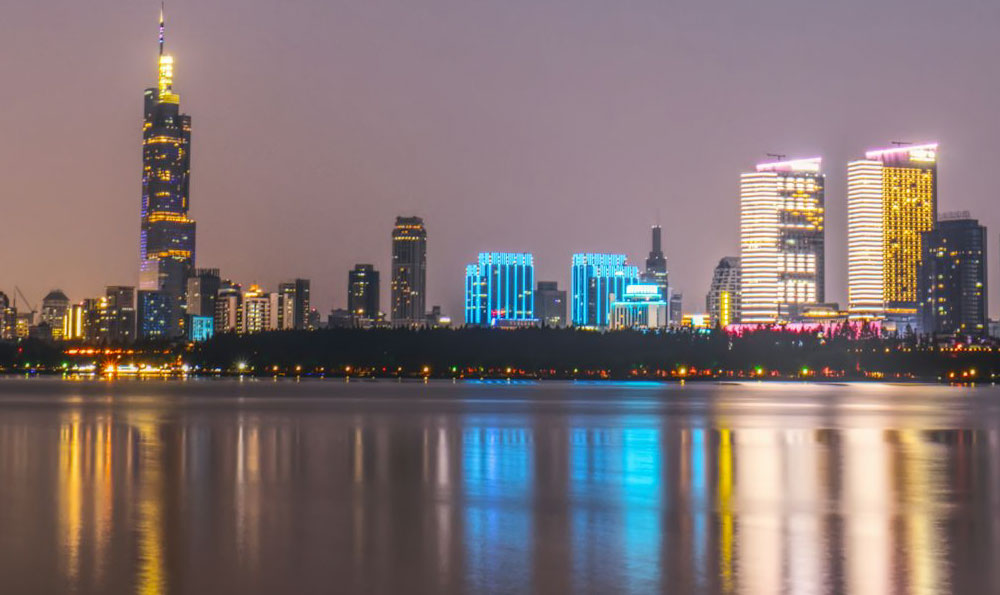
{"type": "Point", "coordinates": [891, 202]}
{"type": "Point", "coordinates": [409, 271]}
{"type": "Point", "coordinates": [656, 266]}
{"type": "Point", "coordinates": [952, 277]}
{"type": "Point", "coordinates": [166, 236]}
{"type": "Point", "coordinates": [499, 289]}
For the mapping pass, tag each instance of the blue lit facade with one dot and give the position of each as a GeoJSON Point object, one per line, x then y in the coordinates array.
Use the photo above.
{"type": "Point", "coordinates": [155, 311]}
{"type": "Point", "coordinates": [599, 280]}
{"type": "Point", "coordinates": [500, 287]}
{"type": "Point", "coordinates": [200, 328]}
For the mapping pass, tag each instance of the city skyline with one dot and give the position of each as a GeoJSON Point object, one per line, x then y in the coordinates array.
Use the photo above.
{"type": "Point", "coordinates": [240, 244]}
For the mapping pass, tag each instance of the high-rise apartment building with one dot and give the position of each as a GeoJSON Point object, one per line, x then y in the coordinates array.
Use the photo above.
{"type": "Point", "coordinates": [409, 271]}
{"type": "Point", "coordinates": [363, 294]}
{"type": "Point", "coordinates": [228, 308]}
{"type": "Point", "coordinates": [167, 234]}
{"type": "Point", "coordinates": [550, 304]}
{"type": "Point", "coordinates": [598, 280]}
{"type": "Point", "coordinates": [782, 227]}
{"type": "Point", "coordinates": [952, 277]}
{"type": "Point", "coordinates": [499, 289]}
{"type": "Point", "coordinates": [891, 202]}
{"type": "Point", "coordinates": [723, 300]}
{"type": "Point", "coordinates": [257, 311]}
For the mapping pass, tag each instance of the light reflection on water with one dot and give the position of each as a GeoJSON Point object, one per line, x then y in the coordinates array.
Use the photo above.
{"type": "Point", "coordinates": [278, 487]}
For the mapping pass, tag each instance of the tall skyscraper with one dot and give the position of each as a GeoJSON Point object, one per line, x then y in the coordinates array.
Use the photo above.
{"type": "Point", "coordinates": [167, 234]}
{"type": "Point", "coordinates": [409, 271]}
{"type": "Point", "coordinates": [723, 300]}
{"type": "Point", "coordinates": [363, 294]}
{"type": "Point", "coordinates": [550, 304]}
{"type": "Point", "coordinates": [154, 309]}
{"type": "Point", "coordinates": [597, 281]}
{"type": "Point", "coordinates": [656, 266]}
{"type": "Point", "coordinates": [499, 289]}
{"type": "Point", "coordinates": [891, 202]}
{"type": "Point", "coordinates": [782, 225]}
{"type": "Point", "coordinates": [952, 286]}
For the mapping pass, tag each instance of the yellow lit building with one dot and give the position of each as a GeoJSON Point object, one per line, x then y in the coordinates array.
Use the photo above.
{"type": "Point", "coordinates": [782, 223]}
{"type": "Point", "coordinates": [891, 201]}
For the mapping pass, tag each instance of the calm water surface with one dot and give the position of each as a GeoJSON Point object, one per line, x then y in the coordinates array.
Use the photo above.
{"type": "Point", "coordinates": [326, 486]}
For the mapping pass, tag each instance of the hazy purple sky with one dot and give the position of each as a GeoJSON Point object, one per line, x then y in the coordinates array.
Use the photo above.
{"type": "Point", "coordinates": [523, 125]}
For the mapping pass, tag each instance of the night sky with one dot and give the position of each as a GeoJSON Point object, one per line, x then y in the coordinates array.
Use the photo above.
{"type": "Point", "coordinates": [519, 125]}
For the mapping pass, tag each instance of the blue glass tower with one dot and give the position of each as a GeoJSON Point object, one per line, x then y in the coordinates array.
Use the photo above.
{"type": "Point", "coordinates": [500, 287]}
{"type": "Point", "coordinates": [598, 280]}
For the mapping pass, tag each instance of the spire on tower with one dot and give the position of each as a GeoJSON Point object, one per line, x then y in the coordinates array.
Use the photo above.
{"type": "Point", "coordinates": [161, 28]}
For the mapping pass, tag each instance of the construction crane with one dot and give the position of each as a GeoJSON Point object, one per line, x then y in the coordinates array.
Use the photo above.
{"type": "Point", "coordinates": [25, 300]}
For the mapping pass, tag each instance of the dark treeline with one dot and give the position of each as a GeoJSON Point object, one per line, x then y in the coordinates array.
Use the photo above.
{"type": "Point", "coordinates": [569, 353]}
{"type": "Point", "coordinates": [545, 353]}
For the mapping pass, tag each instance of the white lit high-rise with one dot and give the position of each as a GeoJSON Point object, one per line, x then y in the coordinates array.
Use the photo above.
{"type": "Point", "coordinates": [782, 223]}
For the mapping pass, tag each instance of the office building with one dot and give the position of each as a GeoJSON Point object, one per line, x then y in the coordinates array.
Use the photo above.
{"type": "Point", "coordinates": [550, 304]}
{"type": "Point", "coordinates": [499, 290]}
{"type": "Point", "coordinates": [202, 288]}
{"type": "Point", "coordinates": [154, 311]}
{"type": "Point", "coordinates": [952, 286]}
{"type": "Point", "coordinates": [167, 234]}
{"type": "Point", "coordinates": [656, 266]}
{"type": "Point", "coordinates": [781, 238]}
{"type": "Point", "coordinates": [409, 271]}
{"type": "Point", "coordinates": [363, 294]}
{"type": "Point", "coordinates": [891, 202]}
{"type": "Point", "coordinates": [642, 307]}
{"type": "Point", "coordinates": [294, 312]}
{"type": "Point", "coordinates": [723, 300]}
{"type": "Point", "coordinates": [675, 313]}
{"type": "Point", "coordinates": [119, 314]}
{"type": "Point", "coordinates": [597, 281]}
{"type": "Point", "coordinates": [200, 328]}
{"type": "Point", "coordinates": [54, 306]}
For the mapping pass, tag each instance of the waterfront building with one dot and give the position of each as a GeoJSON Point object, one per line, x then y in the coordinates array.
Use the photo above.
{"type": "Point", "coordinates": [499, 290]}
{"type": "Point", "coordinates": [119, 314]}
{"type": "Point", "coordinates": [656, 266]}
{"type": "Point", "coordinates": [550, 304]}
{"type": "Point", "coordinates": [723, 300]}
{"type": "Point", "coordinates": [891, 202]}
{"type": "Point", "coordinates": [294, 312]}
{"type": "Point", "coordinates": [154, 312]}
{"type": "Point", "coordinates": [952, 286]}
{"type": "Point", "coordinates": [642, 307]}
{"type": "Point", "coordinates": [363, 294]}
{"type": "Point", "coordinates": [54, 306]}
{"type": "Point", "coordinates": [409, 271]}
{"type": "Point", "coordinates": [228, 308]}
{"type": "Point", "coordinates": [782, 225]}
{"type": "Point", "coordinates": [167, 234]}
{"type": "Point", "coordinates": [202, 289]}
{"type": "Point", "coordinates": [597, 281]}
